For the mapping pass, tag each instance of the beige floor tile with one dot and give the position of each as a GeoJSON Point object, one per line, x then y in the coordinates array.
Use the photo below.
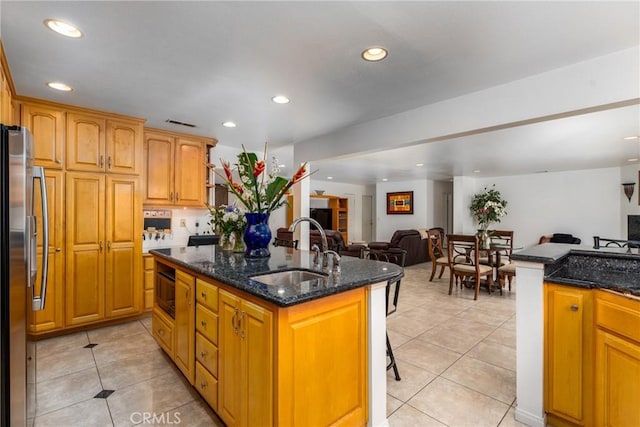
{"type": "Point", "coordinates": [111, 333]}
{"type": "Point", "coordinates": [408, 416]}
{"type": "Point", "coordinates": [496, 354]}
{"type": "Point", "coordinates": [450, 336]}
{"type": "Point", "coordinates": [123, 348]}
{"type": "Point", "coordinates": [433, 358]}
{"type": "Point", "coordinates": [413, 379]}
{"type": "Point", "coordinates": [68, 390]}
{"type": "Point", "coordinates": [397, 339]}
{"type": "Point", "coordinates": [66, 342]}
{"type": "Point", "coordinates": [141, 367]}
{"type": "Point", "coordinates": [60, 363]}
{"type": "Point", "coordinates": [475, 314]}
{"type": "Point", "coordinates": [393, 404]}
{"type": "Point", "coordinates": [157, 395]}
{"type": "Point", "coordinates": [193, 414]}
{"type": "Point", "coordinates": [483, 377]}
{"type": "Point", "coordinates": [146, 322]}
{"type": "Point", "coordinates": [90, 413]}
{"type": "Point", "coordinates": [455, 405]}
{"type": "Point", "coordinates": [503, 335]}
{"type": "Point", "coordinates": [407, 325]}
{"type": "Point", "coordinates": [509, 420]}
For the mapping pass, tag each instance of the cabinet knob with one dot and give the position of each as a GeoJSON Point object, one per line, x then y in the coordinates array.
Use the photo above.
{"type": "Point", "coordinates": [204, 295]}
{"type": "Point", "coordinates": [58, 161]}
{"type": "Point", "coordinates": [574, 307]}
{"type": "Point", "coordinates": [203, 354]}
{"type": "Point", "coordinates": [58, 249]}
{"type": "Point", "coordinates": [161, 331]}
{"type": "Point", "coordinates": [203, 323]}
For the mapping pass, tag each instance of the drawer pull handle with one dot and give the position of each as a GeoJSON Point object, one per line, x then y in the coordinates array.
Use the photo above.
{"type": "Point", "coordinates": [203, 385]}
{"type": "Point", "coordinates": [574, 307]}
{"type": "Point", "coordinates": [203, 354]}
{"type": "Point", "coordinates": [203, 323]}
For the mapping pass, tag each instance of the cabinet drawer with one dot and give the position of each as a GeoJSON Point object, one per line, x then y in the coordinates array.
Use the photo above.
{"type": "Point", "coordinates": [163, 332]}
{"type": "Point", "coordinates": [207, 386]}
{"type": "Point", "coordinates": [148, 262]}
{"type": "Point", "coordinates": [618, 314]}
{"type": "Point", "coordinates": [207, 323]}
{"type": "Point", "coordinates": [148, 279]}
{"type": "Point", "coordinates": [207, 354]}
{"type": "Point", "coordinates": [207, 295]}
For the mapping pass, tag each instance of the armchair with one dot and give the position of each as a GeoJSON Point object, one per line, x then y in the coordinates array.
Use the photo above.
{"type": "Point", "coordinates": [409, 240]}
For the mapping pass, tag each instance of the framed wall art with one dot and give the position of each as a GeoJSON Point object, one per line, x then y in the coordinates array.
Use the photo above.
{"type": "Point", "coordinates": [400, 203]}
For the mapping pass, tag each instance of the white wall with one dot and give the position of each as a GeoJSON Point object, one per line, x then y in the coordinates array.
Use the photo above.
{"type": "Point", "coordinates": [387, 224]}
{"type": "Point", "coordinates": [354, 193]}
{"type": "Point", "coordinates": [440, 188]}
{"type": "Point", "coordinates": [584, 203]}
{"type": "Point", "coordinates": [629, 174]}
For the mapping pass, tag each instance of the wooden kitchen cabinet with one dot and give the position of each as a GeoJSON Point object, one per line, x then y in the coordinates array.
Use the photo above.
{"type": "Point", "coordinates": [52, 317]}
{"type": "Point", "coordinates": [184, 327]}
{"type": "Point", "coordinates": [245, 385]}
{"type": "Point", "coordinates": [103, 247]}
{"type": "Point", "coordinates": [174, 169]}
{"type": "Point", "coordinates": [98, 144]}
{"type": "Point", "coordinates": [47, 126]}
{"type": "Point", "coordinates": [568, 355]}
{"type": "Point", "coordinates": [206, 381]}
{"type": "Point", "coordinates": [148, 281]}
{"type": "Point", "coordinates": [617, 360]}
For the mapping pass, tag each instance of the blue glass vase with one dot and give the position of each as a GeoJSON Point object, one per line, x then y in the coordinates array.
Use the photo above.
{"type": "Point", "coordinates": [257, 235]}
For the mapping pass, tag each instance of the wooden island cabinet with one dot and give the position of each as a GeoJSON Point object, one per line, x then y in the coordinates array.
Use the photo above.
{"type": "Point", "coordinates": [256, 363]}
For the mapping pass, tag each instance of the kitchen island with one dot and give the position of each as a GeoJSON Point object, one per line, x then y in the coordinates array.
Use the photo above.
{"type": "Point", "coordinates": [311, 352]}
{"type": "Point", "coordinates": [577, 335]}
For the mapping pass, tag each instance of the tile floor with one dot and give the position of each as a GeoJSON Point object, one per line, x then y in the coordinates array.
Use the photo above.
{"type": "Point", "coordinates": [456, 358]}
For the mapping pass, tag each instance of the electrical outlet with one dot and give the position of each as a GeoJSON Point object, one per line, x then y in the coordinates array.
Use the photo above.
{"type": "Point", "coordinates": [183, 222]}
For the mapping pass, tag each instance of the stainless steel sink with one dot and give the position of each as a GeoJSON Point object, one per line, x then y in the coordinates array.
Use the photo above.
{"type": "Point", "coordinates": [287, 278]}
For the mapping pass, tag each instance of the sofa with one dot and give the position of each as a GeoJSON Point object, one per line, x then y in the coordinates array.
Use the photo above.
{"type": "Point", "coordinates": [409, 240]}
{"type": "Point", "coordinates": [335, 242]}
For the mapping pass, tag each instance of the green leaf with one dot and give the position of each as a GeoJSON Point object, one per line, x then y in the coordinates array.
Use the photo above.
{"type": "Point", "coordinates": [274, 188]}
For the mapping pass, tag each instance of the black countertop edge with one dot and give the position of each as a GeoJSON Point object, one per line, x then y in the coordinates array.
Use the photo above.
{"type": "Point", "coordinates": [551, 253]}
{"type": "Point", "coordinates": [591, 285]}
{"type": "Point", "coordinates": [237, 271]}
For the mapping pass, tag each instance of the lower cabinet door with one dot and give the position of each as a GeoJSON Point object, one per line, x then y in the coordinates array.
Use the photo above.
{"type": "Point", "coordinates": [207, 386]}
{"type": "Point", "coordinates": [617, 390]}
{"type": "Point", "coordinates": [229, 373]}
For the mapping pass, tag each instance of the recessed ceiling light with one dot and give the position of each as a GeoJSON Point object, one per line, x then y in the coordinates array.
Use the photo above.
{"type": "Point", "coordinates": [419, 164]}
{"type": "Point", "coordinates": [280, 99]}
{"type": "Point", "coordinates": [282, 165]}
{"type": "Point", "coordinates": [329, 177]}
{"type": "Point", "coordinates": [632, 160]}
{"type": "Point", "coordinates": [60, 86]}
{"type": "Point", "coordinates": [63, 28]}
{"type": "Point", "coordinates": [476, 171]}
{"type": "Point", "coordinates": [384, 180]}
{"type": "Point", "coordinates": [631, 137]}
{"type": "Point", "coordinates": [229, 124]}
{"type": "Point", "coordinates": [375, 53]}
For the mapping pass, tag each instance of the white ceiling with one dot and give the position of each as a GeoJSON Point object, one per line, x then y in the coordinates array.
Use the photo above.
{"type": "Point", "coordinates": [207, 62]}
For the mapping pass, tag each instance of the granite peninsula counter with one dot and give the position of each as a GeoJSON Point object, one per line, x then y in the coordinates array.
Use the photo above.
{"type": "Point", "coordinates": [309, 353]}
{"type": "Point", "coordinates": [577, 335]}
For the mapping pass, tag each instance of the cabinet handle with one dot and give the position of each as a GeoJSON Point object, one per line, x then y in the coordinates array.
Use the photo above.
{"type": "Point", "coordinates": [101, 161]}
{"type": "Point", "coordinates": [108, 245]}
{"type": "Point", "coordinates": [574, 307]}
{"type": "Point", "coordinates": [58, 161]}
{"type": "Point", "coordinates": [100, 245]}
{"type": "Point", "coordinates": [204, 295]}
{"type": "Point", "coordinates": [203, 385]}
{"type": "Point", "coordinates": [233, 321]}
{"type": "Point", "coordinates": [109, 162]}
{"type": "Point", "coordinates": [203, 354]}
{"type": "Point", "coordinates": [58, 249]}
{"type": "Point", "coordinates": [203, 323]}
{"type": "Point", "coordinates": [240, 325]}
{"type": "Point", "coordinates": [171, 196]}
{"type": "Point", "coordinates": [177, 197]}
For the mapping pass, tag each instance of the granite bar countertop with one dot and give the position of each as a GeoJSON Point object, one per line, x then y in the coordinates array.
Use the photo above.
{"type": "Point", "coordinates": [617, 269]}
{"type": "Point", "coordinates": [235, 270]}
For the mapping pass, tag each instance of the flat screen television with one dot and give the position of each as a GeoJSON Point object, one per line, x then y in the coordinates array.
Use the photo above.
{"type": "Point", "coordinates": [324, 216]}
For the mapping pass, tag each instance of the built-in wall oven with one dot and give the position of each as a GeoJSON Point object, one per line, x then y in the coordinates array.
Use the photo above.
{"type": "Point", "coordinates": [166, 291]}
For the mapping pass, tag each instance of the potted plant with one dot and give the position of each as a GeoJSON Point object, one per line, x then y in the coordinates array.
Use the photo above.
{"type": "Point", "coordinates": [486, 207]}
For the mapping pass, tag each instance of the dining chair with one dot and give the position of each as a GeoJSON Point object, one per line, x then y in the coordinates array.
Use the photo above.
{"type": "Point", "coordinates": [284, 242]}
{"type": "Point", "coordinates": [436, 253]}
{"type": "Point", "coordinates": [464, 262]}
{"type": "Point", "coordinates": [395, 256]}
{"type": "Point", "coordinates": [507, 271]}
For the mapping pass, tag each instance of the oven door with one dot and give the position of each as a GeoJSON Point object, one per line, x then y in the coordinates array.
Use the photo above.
{"type": "Point", "coordinates": [165, 294]}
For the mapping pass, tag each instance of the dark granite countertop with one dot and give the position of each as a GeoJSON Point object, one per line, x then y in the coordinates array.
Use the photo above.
{"type": "Point", "coordinates": [617, 269]}
{"type": "Point", "coordinates": [235, 270]}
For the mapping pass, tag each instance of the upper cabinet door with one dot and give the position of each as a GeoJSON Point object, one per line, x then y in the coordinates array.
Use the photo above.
{"type": "Point", "coordinates": [86, 142]}
{"type": "Point", "coordinates": [124, 147]}
{"type": "Point", "coordinates": [158, 158]}
{"type": "Point", "coordinates": [189, 181]}
{"type": "Point", "coordinates": [47, 126]}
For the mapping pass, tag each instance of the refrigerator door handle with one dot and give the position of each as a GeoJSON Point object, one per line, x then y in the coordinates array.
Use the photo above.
{"type": "Point", "coordinates": [38, 301]}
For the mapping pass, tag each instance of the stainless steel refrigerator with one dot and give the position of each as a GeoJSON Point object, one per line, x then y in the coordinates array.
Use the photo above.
{"type": "Point", "coordinates": [18, 269]}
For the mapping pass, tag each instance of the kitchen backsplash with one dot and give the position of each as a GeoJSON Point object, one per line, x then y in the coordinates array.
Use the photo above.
{"type": "Point", "coordinates": [179, 234]}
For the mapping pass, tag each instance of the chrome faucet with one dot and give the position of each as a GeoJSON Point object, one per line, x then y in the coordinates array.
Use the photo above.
{"type": "Point", "coordinates": [323, 236]}
{"type": "Point", "coordinates": [336, 260]}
